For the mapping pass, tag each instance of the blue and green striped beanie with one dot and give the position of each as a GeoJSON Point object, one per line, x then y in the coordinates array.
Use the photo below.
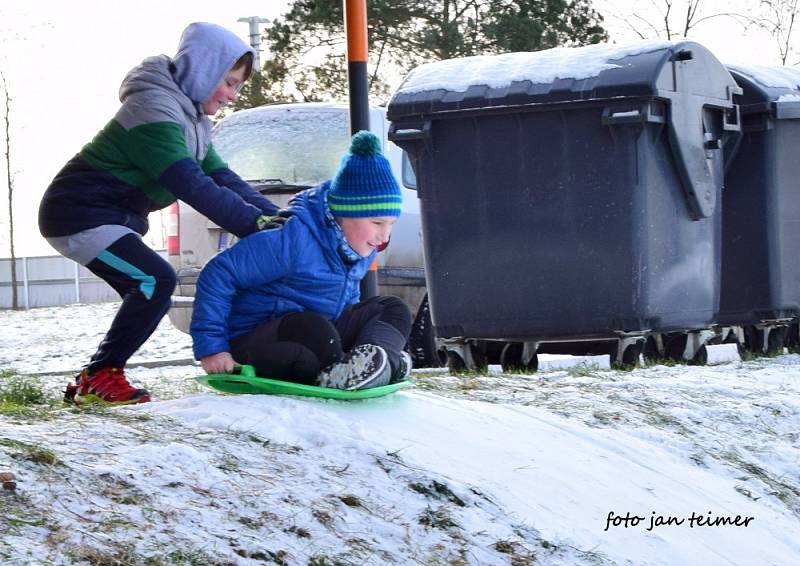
{"type": "Point", "coordinates": [364, 184]}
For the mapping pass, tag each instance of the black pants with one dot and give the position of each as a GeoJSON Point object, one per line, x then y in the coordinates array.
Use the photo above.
{"type": "Point", "coordinates": [295, 347]}
{"type": "Point", "coordinates": [145, 283]}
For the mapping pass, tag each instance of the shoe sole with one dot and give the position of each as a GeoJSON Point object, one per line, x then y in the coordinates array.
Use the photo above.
{"type": "Point", "coordinates": [338, 378]}
{"type": "Point", "coordinates": [90, 400]}
{"type": "Point", "coordinates": [375, 375]}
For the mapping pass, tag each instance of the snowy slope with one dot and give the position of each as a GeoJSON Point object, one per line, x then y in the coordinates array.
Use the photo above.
{"type": "Point", "coordinates": [491, 469]}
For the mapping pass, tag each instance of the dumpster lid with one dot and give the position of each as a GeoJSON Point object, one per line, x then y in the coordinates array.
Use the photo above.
{"type": "Point", "coordinates": [561, 74]}
{"type": "Point", "coordinates": [767, 88]}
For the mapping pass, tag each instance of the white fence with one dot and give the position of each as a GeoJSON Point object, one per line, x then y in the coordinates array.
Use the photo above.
{"type": "Point", "coordinates": [53, 280]}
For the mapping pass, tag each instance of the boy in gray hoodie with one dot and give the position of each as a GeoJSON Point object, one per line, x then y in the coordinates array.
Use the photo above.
{"type": "Point", "coordinates": [155, 150]}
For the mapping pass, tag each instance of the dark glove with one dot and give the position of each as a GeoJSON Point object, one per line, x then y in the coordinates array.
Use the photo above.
{"type": "Point", "coordinates": [265, 222]}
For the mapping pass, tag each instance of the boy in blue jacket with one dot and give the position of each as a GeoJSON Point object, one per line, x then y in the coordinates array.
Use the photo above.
{"type": "Point", "coordinates": [286, 300]}
{"type": "Point", "coordinates": [155, 150]}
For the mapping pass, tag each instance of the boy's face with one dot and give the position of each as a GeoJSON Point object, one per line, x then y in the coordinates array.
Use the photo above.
{"type": "Point", "coordinates": [366, 234]}
{"type": "Point", "coordinates": [226, 91]}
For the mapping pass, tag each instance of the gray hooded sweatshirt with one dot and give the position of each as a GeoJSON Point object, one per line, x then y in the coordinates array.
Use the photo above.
{"type": "Point", "coordinates": [156, 149]}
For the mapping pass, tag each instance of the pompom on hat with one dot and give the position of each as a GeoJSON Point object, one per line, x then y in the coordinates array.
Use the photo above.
{"type": "Point", "coordinates": [364, 184]}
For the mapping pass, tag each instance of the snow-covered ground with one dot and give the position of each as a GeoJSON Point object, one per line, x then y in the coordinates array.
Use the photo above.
{"type": "Point", "coordinates": [489, 469]}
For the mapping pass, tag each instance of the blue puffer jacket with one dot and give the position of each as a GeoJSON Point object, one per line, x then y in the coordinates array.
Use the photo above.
{"type": "Point", "coordinates": [306, 265]}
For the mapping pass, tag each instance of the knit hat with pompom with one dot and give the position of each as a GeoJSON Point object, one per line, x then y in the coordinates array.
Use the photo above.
{"type": "Point", "coordinates": [364, 184]}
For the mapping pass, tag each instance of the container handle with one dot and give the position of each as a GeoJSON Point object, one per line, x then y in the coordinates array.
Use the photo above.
{"type": "Point", "coordinates": [646, 112]}
{"type": "Point", "coordinates": [409, 134]}
{"type": "Point", "coordinates": [694, 158]}
{"type": "Point", "coordinates": [787, 109]}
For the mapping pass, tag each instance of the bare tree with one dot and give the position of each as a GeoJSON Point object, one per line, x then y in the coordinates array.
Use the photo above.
{"type": "Point", "coordinates": [778, 19]}
{"type": "Point", "coordinates": [671, 19]}
{"type": "Point", "coordinates": [10, 181]}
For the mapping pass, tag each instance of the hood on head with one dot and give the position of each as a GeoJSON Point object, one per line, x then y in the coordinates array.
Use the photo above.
{"type": "Point", "coordinates": [153, 74]}
{"type": "Point", "coordinates": [205, 54]}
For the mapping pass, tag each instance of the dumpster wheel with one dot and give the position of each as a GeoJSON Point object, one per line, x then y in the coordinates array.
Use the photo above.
{"type": "Point", "coordinates": [628, 351]}
{"type": "Point", "coordinates": [792, 340]}
{"type": "Point", "coordinates": [776, 339]}
{"type": "Point", "coordinates": [766, 340]}
{"type": "Point", "coordinates": [511, 358]}
{"type": "Point", "coordinates": [463, 357]}
{"type": "Point", "coordinates": [683, 347]}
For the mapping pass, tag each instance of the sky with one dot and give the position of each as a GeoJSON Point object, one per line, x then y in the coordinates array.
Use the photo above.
{"type": "Point", "coordinates": [486, 469]}
{"type": "Point", "coordinates": [64, 61]}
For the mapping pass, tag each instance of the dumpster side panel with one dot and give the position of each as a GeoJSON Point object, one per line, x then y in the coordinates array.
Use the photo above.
{"type": "Point", "coordinates": [761, 220]}
{"type": "Point", "coordinates": [586, 233]}
{"type": "Point", "coordinates": [681, 256]}
{"type": "Point", "coordinates": [785, 210]}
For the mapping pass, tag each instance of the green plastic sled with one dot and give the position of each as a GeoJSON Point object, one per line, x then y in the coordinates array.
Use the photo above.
{"type": "Point", "coordinates": [247, 382]}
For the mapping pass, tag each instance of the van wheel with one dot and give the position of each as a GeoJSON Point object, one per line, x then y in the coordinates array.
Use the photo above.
{"type": "Point", "coordinates": [422, 340]}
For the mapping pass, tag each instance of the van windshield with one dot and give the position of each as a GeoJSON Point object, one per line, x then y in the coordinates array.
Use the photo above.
{"type": "Point", "coordinates": [300, 147]}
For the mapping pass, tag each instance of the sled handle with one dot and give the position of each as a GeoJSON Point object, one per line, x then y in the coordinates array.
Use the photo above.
{"type": "Point", "coordinates": [245, 370]}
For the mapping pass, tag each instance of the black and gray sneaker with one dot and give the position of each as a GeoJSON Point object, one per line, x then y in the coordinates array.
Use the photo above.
{"type": "Point", "coordinates": [404, 371]}
{"type": "Point", "coordinates": [364, 366]}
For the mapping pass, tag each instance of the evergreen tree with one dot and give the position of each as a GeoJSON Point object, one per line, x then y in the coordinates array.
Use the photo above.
{"type": "Point", "coordinates": [307, 46]}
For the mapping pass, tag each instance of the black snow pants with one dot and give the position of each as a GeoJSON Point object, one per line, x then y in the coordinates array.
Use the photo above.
{"type": "Point", "coordinates": [145, 282]}
{"type": "Point", "coordinates": [296, 346]}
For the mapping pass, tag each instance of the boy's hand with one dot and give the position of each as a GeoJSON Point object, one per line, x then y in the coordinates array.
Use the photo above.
{"type": "Point", "coordinates": [265, 222]}
{"type": "Point", "coordinates": [221, 362]}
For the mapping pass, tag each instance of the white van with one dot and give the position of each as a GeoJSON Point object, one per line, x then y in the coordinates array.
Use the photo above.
{"type": "Point", "coordinates": [282, 149]}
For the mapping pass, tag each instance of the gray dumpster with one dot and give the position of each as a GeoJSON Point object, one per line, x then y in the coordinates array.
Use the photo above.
{"type": "Point", "coordinates": [760, 280]}
{"type": "Point", "coordinates": [569, 193]}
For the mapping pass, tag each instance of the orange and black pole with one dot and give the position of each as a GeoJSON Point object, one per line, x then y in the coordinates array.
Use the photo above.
{"type": "Point", "coordinates": [355, 25]}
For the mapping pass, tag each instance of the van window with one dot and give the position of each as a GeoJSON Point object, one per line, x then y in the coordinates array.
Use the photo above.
{"type": "Point", "coordinates": [297, 146]}
{"type": "Point", "coordinates": [409, 178]}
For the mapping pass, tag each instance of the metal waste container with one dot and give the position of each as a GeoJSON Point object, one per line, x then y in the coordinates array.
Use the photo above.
{"type": "Point", "coordinates": [760, 278]}
{"type": "Point", "coordinates": [569, 193]}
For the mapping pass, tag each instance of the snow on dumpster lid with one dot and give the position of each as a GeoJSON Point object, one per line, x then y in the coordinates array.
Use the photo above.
{"type": "Point", "coordinates": [770, 77]}
{"type": "Point", "coordinates": [539, 67]}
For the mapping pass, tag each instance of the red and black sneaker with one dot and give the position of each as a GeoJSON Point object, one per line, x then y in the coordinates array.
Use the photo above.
{"type": "Point", "coordinates": [107, 386]}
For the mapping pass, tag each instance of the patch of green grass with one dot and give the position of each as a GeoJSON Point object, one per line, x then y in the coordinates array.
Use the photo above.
{"type": "Point", "coordinates": [300, 532]}
{"type": "Point", "coordinates": [24, 521]}
{"type": "Point", "coordinates": [517, 553]}
{"type": "Point", "coordinates": [437, 490]}
{"type": "Point", "coordinates": [789, 494]}
{"type": "Point", "coordinates": [31, 452]}
{"type": "Point", "coordinates": [22, 396]}
{"type": "Point", "coordinates": [439, 518]}
{"type": "Point", "coordinates": [323, 560]}
{"type": "Point", "coordinates": [583, 370]}
{"type": "Point", "coordinates": [607, 417]}
{"type": "Point", "coordinates": [669, 362]}
{"type": "Point", "coordinates": [423, 374]}
{"type": "Point", "coordinates": [323, 517]}
{"type": "Point", "coordinates": [228, 463]}
{"type": "Point", "coordinates": [748, 356]}
{"type": "Point", "coordinates": [19, 390]}
{"type": "Point", "coordinates": [128, 556]}
{"type": "Point", "coordinates": [627, 368]}
{"type": "Point", "coordinates": [350, 500]}
{"type": "Point", "coordinates": [467, 383]}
